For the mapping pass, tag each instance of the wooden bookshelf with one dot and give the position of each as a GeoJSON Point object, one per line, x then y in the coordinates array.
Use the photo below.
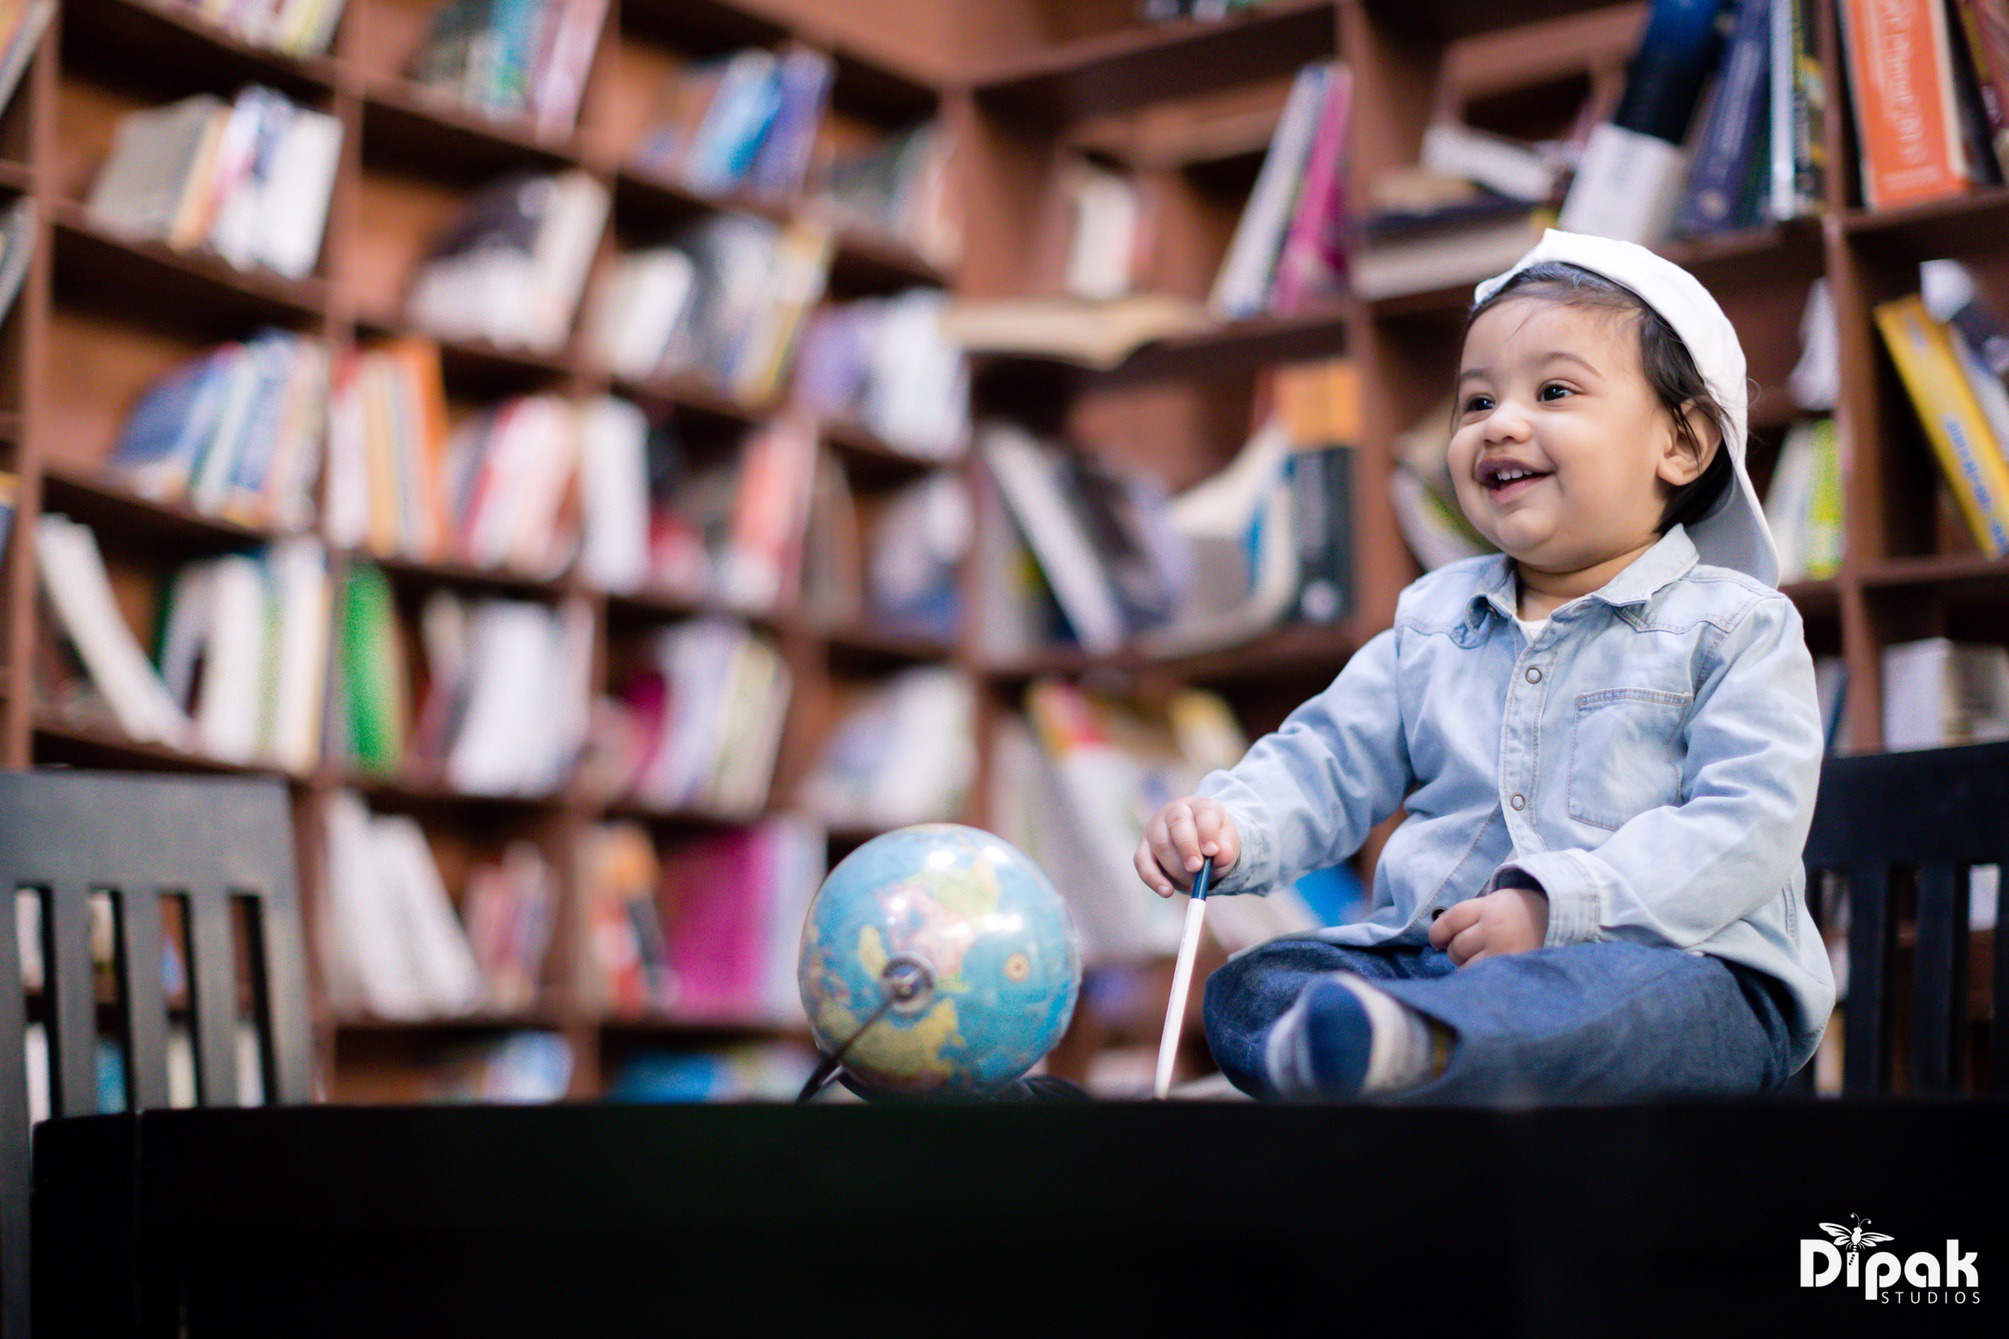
{"type": "Point", "coordinates": [101, 315]}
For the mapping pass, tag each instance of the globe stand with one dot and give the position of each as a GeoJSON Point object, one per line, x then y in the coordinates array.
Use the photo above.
{"type": "Point", "coordinates": [905, 983]}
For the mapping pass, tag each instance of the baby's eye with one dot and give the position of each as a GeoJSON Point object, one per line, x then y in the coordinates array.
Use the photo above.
{"type": "Point", "coordinates": [1478, 404]}
{"type": "Point", "coordinates": [1555, 390]}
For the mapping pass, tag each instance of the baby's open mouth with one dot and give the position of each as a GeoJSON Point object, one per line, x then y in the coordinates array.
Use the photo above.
{"type": "Point", "coordinates": [1511, 482]}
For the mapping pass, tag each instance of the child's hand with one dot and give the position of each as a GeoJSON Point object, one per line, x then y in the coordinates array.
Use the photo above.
{"type": "Point", "coordinates": [1512, 920]}
{"type": "Point", "coordinates": [1179, 837]}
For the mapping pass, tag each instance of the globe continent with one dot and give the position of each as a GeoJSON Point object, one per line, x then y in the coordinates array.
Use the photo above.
{"type": "Point", "coordinates": [994, 937]}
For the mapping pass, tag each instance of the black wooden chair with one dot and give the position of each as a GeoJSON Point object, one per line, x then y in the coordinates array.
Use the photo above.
{"type": "Point", "coordinates": [208, 840]}
{"type": "Point", "coordinates": [1886, 821]}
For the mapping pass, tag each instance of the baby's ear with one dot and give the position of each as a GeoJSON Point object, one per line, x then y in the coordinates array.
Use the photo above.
{"type": "Point", "coordinates": [1689, 453]}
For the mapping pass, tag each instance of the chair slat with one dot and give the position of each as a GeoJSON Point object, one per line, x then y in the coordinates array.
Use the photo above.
{"type": "Point", "coordinates": [1865, 1059]}
{"type": "Point", "coordinates": [13, 1133]}
{"type": "Point", "coordinates": [287, 1031]}
{"type": "Point", "coordinates": [212, 979]}
{"type": "Point", "coordinates": [1940, 1006]}
{"type": "Point", "coordinates": [1998, 1028]}
{"type": "Point", "coordinates": [144, 1006]}
{"type": "Point", "coordinates": [72, 998]}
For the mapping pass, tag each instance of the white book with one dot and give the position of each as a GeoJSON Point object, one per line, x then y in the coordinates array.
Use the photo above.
{"type": "Point", "coordinates": [1244, 278]}
{"type": "Point", "coordinates": [508, 458]}
{"type": "Point", "coordinates": [449, 977]}
{"type": "Point", "coordinates": [1107, 214]}
{"type": "Point", "coordinates": [187, 632]}
{"type": "Point", "coordinates": [371, 962]}
{"type": "Point", "coordinates": [293, 211]}
{"type": "Point", "coordinates": [211, 481]}
{"type": "Point", "coordinates": [303, 598]}
{"type": "Point", "coordinates": [563, 253]}
{"type": "Point", "coordinates": [546, 483]}
{"type": "Point", "coordinates": [696, 661]}
{"type": "Point", "coordinates": [74, 578]}
{"type": "Point", "coordinates": [241, 219]}
{"type": "Point", "coordinates": [509, 690]}
{"type": "Point", "coordinates": [756, 710]}
{"type": "Point", "coordinates": [233, 688]}
{"type": "Point", "coordinates": [614, 478]}
{"type": "Point", "coordinates": [347, 494]}
{"type": "Point", "coordinates": [646, 296]}
{"type": "Point", "coordinates": [1627, 187]}
{"type": "Point", "coordinates": [1025, 472]}
{"type": "Point", "coordinates": [1938, 692]}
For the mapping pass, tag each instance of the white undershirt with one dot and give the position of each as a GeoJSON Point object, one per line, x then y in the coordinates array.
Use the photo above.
{"type": "Point", "coordinates": [1532, 630]}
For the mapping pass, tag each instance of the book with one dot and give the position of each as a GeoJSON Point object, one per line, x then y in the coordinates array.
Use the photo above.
{"type": "Point", "coordinates": [1938, 692]}
{"type": "Point", "coordinates": [733, 907]}
{"type": "Point", "coordinates": [904, 752]}
{"type": "Point", "coordinates": [1900, 81]}
{"type": "Point", "coordinates": [1629, 180]}
{"type": "Point", "coordinates": [73, 577]}
{"type": "Point", "coordinates": [1404, 253]}
{"type": "Point", "coordinates": [390, 941]}
{"type": "Point", "coordinates": [154, 155]}
{"type": "Point", "coordinates": [1033, 482]}
{"type": "Point", "coordinates": [1984, 24]}
{"type": "Point", "coordinates": [1721, 194]}
{"type": "Point", "coordinates": [21, 29]}
{"type": "Point", "coordinates": [17, 247]}
{"type": "Point", "coordinates": [511, 269]}
{"type": "Point", "coordinates": [1312, 259]}
{"type": "Point", "coordinates": [912, 558]}
{"type": "Point", "coordinates": [759, 567]}
{"type": "Point", "coordinates": [898, 187]}
{"type": "Point", "coordinates": [1107, 216]}
{"type": "Point", "coordinates": [1243, 282]}
{"type": "Point", "coordinates": [371, 720]}
{"type": "Point", "coordinates": [710, 703]}
{"type": "Point", "coordinates": [1970, 458]}
{"type": "Point", "coordinates": [1803, 506]}
{"type": "Point", "coordinates": [1798, 110]}
{"type": "Point", "coordinates": [1097, 335]}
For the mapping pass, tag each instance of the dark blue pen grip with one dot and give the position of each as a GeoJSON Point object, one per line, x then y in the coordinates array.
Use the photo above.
{"type": "Point", "coordinates": [1201, 879]}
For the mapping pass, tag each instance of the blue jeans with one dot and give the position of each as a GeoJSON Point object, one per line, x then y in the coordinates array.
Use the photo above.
{"type": "Point", "coordinates": [1596, 1022]}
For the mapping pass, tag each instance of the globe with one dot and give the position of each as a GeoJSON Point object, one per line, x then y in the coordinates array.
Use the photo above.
{"type": "Point", "coordinates": [938, 959]}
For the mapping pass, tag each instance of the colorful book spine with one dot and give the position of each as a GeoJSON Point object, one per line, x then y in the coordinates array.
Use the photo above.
{"type": "Point", "coordinates": [1907, 120]}
{"type": "Point", "coordinates": [1968, 453]}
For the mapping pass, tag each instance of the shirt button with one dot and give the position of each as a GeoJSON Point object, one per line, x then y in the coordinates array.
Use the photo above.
{"type": "Point", "coordinates": [1519, 801]}
{"type": "Point", "coordinates": [1534, 675]}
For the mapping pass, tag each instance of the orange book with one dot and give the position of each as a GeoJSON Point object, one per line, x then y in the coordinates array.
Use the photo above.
{"type": "Point", "coordinates": [418, 364]}
{"type": "Point", "coordinates": [1900, 72]}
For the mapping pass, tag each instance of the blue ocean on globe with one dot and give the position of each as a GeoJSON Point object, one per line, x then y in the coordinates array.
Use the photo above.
{"type": "Point", "coordinates": [979, 936]}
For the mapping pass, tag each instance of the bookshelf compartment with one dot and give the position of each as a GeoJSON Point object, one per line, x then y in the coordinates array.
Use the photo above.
{"type": "Point", "coordinates": [406, 128]}
{"type": "Point", "coordinates": [148, 281]}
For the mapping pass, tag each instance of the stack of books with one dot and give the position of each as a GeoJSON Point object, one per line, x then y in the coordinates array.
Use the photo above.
{"type": "Point", "coordinates": [509, 906]}
{"type": "Point", "coordinates": [242, 650]}
{"type": "Point", "coordinates": [510, 58]}
{"type": "Point", "coordinates": [904, 753]}
{"type": "Point", "coordinates": [899, 187]}
{"type": "Point", "coordinates": [724, 301]}
{"type": "Point", "coordinates": [1289, 247]}
{"type": "Point", "coordinates": [236, 433]}
{"type": "Point", "coordinates": [510, 270]}
{"type": "Point", "coordinates": [697, 726]}
{"type": "Point", "coordinates": [1952, 353]}
{"type": "Point", "coordinates": [732, 529]}
{"type": "Point", "coordinates": [391, 945]}
{"type": "Point", "coordinates": [248, 181]}
{"type": "Point", "coordinates": [710, 935]}
{"type": "Point", "coordinates": [887, 365]}
{"type": "Point", "coordinates": [747, 121]}
{"type": "Point", "coordinates": [1928, 84]}
{"type": "Point", "coordinates": [293, 27]}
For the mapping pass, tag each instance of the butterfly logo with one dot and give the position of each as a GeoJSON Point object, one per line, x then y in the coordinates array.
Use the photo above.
{"type": "Point", "coordinates": [1854, 1239]}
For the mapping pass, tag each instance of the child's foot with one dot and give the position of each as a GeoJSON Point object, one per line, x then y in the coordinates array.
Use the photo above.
{"type": "Point", "coordinates": [1344, 1039]}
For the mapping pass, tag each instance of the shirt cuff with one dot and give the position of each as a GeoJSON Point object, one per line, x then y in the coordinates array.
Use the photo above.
{"type": "Point", "coordinates": [1575, 903]}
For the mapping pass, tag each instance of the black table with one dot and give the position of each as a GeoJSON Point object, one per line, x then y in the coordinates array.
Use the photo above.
{"type": "Point", "coordinates": [1025, 1219]}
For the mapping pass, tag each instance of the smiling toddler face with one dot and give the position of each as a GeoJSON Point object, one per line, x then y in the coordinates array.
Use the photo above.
{"type": "Point", "coordinates": [1562, 453]}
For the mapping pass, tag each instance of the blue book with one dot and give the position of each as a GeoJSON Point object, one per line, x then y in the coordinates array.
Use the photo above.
{"type": "Point", "coordinates": [276, 354]}
{"type": "Point", "coordinates": [748, 96]}
{"type": "Point", "coordinates": [1676, 55]}
{"type": "Point", "coordinates": [783, 158]}
{"type": "Point", "coordinates": [174, 420]}
{"type": "Point", "coordinates": [1735, 135]}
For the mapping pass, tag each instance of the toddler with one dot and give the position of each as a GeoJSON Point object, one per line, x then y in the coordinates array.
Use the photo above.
{"type": "Point", "coordinates": [1605, 738]}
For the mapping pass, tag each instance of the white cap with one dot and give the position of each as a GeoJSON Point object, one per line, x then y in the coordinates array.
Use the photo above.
{"type": "Point", "coordinates": [1734, 533]}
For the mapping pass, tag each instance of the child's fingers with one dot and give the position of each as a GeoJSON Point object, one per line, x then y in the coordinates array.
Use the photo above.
{"type": "Point", "coordinates": [1207, 818]}
{"type": "Point", "coordinates": [1467, 943]}
{"type": "Point", "coordinates": [1185, 835]}
{"type": "Point", "coordinates": [1228, 843]}
{"type": "Point", "coordinates": [1447, 926]}
{"type": "Point", "coordinates": [1164, 850]}
{"type": "Point", "coordinates": [1147, 870]}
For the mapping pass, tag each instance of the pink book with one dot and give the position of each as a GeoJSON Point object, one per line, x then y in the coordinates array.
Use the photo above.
{"type": "Point", "coordinates": [1313, 258]}
{"type": "Point", "coordinates": [719, 894]}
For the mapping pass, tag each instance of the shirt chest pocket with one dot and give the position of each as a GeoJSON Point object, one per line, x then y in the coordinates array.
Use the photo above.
{"type": "Point", "coordinates": [1624, 756]}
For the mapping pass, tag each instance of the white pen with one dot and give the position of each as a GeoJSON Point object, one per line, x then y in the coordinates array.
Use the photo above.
{"type": "Point", "coordinates": [1182, 980]}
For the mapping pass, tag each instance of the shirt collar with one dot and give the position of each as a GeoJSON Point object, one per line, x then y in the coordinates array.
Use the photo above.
{"type": "Point", "coordinates": [1667, 561]}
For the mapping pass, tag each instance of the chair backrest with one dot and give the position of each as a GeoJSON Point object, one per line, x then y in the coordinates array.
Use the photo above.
{"type": "Point", "coordinates": [206, 840]}
{"type": "Point", "coordinates": [1936, 813]}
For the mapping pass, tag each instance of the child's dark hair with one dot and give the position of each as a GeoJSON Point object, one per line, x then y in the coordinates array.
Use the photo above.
{"type": "Point", "coordinates": [1670, 369]}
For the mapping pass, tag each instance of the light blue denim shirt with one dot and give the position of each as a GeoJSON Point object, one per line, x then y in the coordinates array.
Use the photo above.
{"type": "Point", "coordinates": [1650, 761]}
